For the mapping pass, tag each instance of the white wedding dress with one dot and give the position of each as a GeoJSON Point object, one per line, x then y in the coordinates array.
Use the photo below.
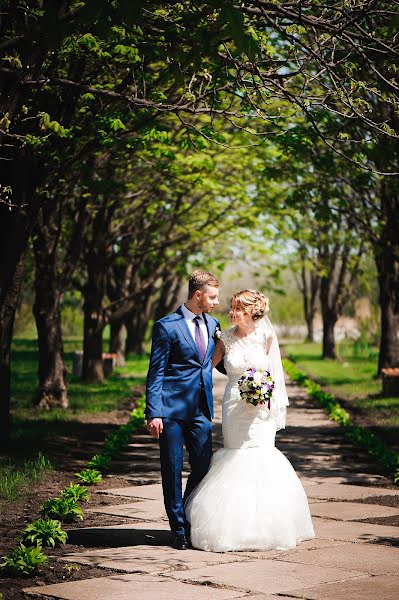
{"type": "Point", "coordinates": [251, 497]}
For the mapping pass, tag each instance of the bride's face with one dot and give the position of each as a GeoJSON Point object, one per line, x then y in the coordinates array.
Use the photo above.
{"type": "Point", "coordinates": [238, 316]}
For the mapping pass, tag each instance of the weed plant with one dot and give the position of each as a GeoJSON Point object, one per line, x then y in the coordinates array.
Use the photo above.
{"type": "Point", "coordinates": [89, 476]}
{"type": "Point", "coordinates": [23, 561]}
{"type": "Point", "coordinates": [76, 492]}
{"type": "Point", "coordinates": [44, 532]}
{"type": "Point", "coordinates": [64, 509]}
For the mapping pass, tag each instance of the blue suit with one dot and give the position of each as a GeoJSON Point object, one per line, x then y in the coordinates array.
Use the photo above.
{"type": "Point", "coordinates": [179, 390]}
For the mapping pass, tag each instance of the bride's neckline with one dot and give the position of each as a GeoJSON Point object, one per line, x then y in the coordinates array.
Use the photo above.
{"type": "Point", "coordinates": [242, 337]}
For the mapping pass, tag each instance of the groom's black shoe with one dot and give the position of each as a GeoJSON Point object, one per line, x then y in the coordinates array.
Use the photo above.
{"type": "Point", "coordinates": [180, 543]}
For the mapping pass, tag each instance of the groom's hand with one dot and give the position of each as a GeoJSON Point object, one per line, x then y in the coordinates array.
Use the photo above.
{"type": "Point", "coordinates": [155, 427]}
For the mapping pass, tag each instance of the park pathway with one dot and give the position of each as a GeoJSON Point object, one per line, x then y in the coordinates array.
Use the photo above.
{"type": "Point", "coordinates": [351, 558]}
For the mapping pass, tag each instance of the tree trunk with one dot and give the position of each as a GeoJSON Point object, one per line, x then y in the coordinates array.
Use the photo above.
{"type": "Point", "coordinates": [330, 317]}
{"type": "Point", "coordinates": [92, 369]}
{"type": "Point", "coordinates": [15, 227]}
{"type": "Point", "coordinates": [9, 299]}
{"type": "Point", "coordinates": [386, 254]}
{"type": "Point", "coordinates": [94, 293]}
{"type": "Point", "coordinates": [310, 294]}
{"type": "Point", "coordinates": [310, 328]}
{"type": "Point", "coordinates": [328, 337]}
{"type": "Point", "coordinates": [46, 309]}
{"type": "Point", "coordinates": [136, 326]}
{"type": "Point", "coordinates": [117, 342]}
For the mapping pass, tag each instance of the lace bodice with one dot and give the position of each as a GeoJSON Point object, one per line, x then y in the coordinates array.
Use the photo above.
{"type": "Point", "coordinates": [244, 353]}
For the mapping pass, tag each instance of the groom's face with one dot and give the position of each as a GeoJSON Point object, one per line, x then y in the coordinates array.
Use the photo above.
{"type": "Point", "coordinates": [208, 298]}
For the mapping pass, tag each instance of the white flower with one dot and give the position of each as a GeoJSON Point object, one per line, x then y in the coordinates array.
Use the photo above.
{"type": "Point", "coordinates": [258, 376]}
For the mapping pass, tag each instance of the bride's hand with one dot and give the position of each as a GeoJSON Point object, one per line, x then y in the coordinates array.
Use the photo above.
{"type": "Point", "coordinates": [218, 353]}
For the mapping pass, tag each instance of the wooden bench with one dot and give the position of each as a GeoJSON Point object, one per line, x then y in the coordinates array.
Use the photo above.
{"type": "Point", "coordinates": [109, 363]}
{"type": "Point", "coordinates": [390, 382]}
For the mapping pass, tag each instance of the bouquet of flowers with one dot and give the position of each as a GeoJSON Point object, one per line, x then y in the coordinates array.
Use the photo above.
{"type": "Point", "coordinates": [256, 387]}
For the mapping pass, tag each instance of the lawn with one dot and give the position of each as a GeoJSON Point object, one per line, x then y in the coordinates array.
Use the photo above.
{"type": "Point", "coordinates": [97, 397]}
{"type": "Point", "coordinates": [31, 429]}
{"type": "Point", "coordinates": [352, 379]}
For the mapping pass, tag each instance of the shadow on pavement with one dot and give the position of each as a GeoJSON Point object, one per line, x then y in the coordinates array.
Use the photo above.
{"type": "Point", "coordinates": [98, 537]}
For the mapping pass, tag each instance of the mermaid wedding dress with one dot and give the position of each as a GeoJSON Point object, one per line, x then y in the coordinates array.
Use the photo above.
{"type": "Point", "coordinates": [251, 497]}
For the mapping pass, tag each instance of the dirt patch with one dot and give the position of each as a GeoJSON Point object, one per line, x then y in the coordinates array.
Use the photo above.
{"type": "Point", "coordinates": [381, 500]}
{"type": "Point", "coordinates": [69, 454]}
{"type": "Point", "coordinates": [392, 521]}
{"type": "Point", "coordinates": [54, 572]}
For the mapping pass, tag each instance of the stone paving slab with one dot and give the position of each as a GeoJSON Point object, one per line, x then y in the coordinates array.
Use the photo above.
{"type": "Point", "coordinates": [152, 510]}
{"type": "Point", "coordinates": [272, 576]}
{"type": "Point", "coordinates": [337, 564]}
{"type": "Point", "coordinates": [346, 492]}
{"type": "Point", "coordinates": [306, 545]}
{"type": "Point", "coordinates": [151, 559]}
{"type": "Point", "coordinates": [350, 511]}
{"type": "Point", "coordinates": [367, 560]}
{"type": "Point", "coordinates": [126, 587]}
{"type": "Point", "coordinates": [352, 531]}
{"type": "Point", "coordinates": [365, 588]}
{"type": "Point", "coordinates": [147, 492]}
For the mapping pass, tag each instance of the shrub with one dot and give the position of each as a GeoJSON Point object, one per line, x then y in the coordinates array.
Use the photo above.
{"type": "Point", "coordinates": [75, 492]}
{"type": "Point", "coordinates": [89, 476]}
{"type": "Point", "coordinates": [99, 461]}
{"type": "Point", "coordinates": [64, 509]}
{"type": "Point", "coordinates": [23, 561]}
{"type": "Point", "coordinates": [46, 532]}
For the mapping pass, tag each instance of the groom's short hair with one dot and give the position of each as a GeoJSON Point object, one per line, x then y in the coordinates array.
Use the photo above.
{"type": "Point", "coordinates": [199, 280]}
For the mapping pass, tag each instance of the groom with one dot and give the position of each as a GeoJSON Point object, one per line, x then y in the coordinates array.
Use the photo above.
{"type": "Point", "coordinates": [179, 405]}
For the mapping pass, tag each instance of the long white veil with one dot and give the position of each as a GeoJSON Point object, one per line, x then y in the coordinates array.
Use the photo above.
{"type": "Point", "coordinates": [279, 403]}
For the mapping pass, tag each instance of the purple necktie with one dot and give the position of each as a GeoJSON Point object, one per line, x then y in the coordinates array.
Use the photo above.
{"type": "Point", "coordinates": [199, 339]}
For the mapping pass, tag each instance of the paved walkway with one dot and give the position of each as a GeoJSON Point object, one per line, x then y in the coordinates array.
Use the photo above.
{"type": "Point", "coordinates": [351, 558]}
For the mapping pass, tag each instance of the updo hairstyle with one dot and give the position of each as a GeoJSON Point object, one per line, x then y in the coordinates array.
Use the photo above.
{"type": "Point", "coordinates": [252, 302]}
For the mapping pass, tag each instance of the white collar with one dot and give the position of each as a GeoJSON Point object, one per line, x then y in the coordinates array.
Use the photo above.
{"type": "Point", "coordinates": [189, 315]}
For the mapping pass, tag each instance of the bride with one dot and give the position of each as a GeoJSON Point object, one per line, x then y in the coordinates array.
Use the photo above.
{"type": "Point", "coordinates": [251, 497]}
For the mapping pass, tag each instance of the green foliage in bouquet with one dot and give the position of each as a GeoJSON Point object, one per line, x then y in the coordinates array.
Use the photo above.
{"type": "Point", "coordinates": [64, 509]}
{"type": "Point", "coordinates": [23, 561]}
{"type": "Point", "coordinates": [44, 532]}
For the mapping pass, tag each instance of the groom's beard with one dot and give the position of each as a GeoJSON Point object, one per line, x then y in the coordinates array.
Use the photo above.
{"type": "Point", "coordinates": [204, 307]}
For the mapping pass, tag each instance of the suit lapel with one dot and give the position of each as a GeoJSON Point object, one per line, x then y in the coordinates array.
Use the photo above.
{"type": "Point", "coordinates": [211, 343]}
{"type": "Point", "coordinates": [186, 332]}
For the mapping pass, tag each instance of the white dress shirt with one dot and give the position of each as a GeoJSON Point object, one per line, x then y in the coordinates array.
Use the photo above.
{"type": "Point", "coordinates": [189, 317]}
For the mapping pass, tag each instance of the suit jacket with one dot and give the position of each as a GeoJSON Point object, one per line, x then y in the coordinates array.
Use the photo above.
{"type": "Point", "coordinates": [176, 376]}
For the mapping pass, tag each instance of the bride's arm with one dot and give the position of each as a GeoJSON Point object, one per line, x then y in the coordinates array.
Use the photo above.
{"type": "Point", "coordinates": [218, 353]}
{"type": "Point", "coordinates": [269, 341]}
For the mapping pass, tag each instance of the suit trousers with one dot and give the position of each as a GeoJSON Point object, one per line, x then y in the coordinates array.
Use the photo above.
{"type": "Point", "coordinates": [196, 435]}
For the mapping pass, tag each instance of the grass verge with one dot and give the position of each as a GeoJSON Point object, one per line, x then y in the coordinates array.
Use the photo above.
{"type": "Point", "coordinates": [30, 427]}
{"type": "Point", "coordinates": [15, 476]}
{"type": "Point", "coordinates": [388, 458]}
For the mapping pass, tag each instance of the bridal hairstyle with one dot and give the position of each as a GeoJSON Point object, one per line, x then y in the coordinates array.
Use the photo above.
{"type": "Point", "coordinates": [252, 302]}
{"type": "Point", "coordinates": [199, 280]}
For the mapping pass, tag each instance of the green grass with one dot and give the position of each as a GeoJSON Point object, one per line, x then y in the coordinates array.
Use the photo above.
{"type": "Point", "coordinates": [94, 397]}
{"type": "Point", "coordinates": [30, 426]}
{"type": "Point", "coordinates": [352, 379]}
{"type": "Point", "coordinates": [15, 475]}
